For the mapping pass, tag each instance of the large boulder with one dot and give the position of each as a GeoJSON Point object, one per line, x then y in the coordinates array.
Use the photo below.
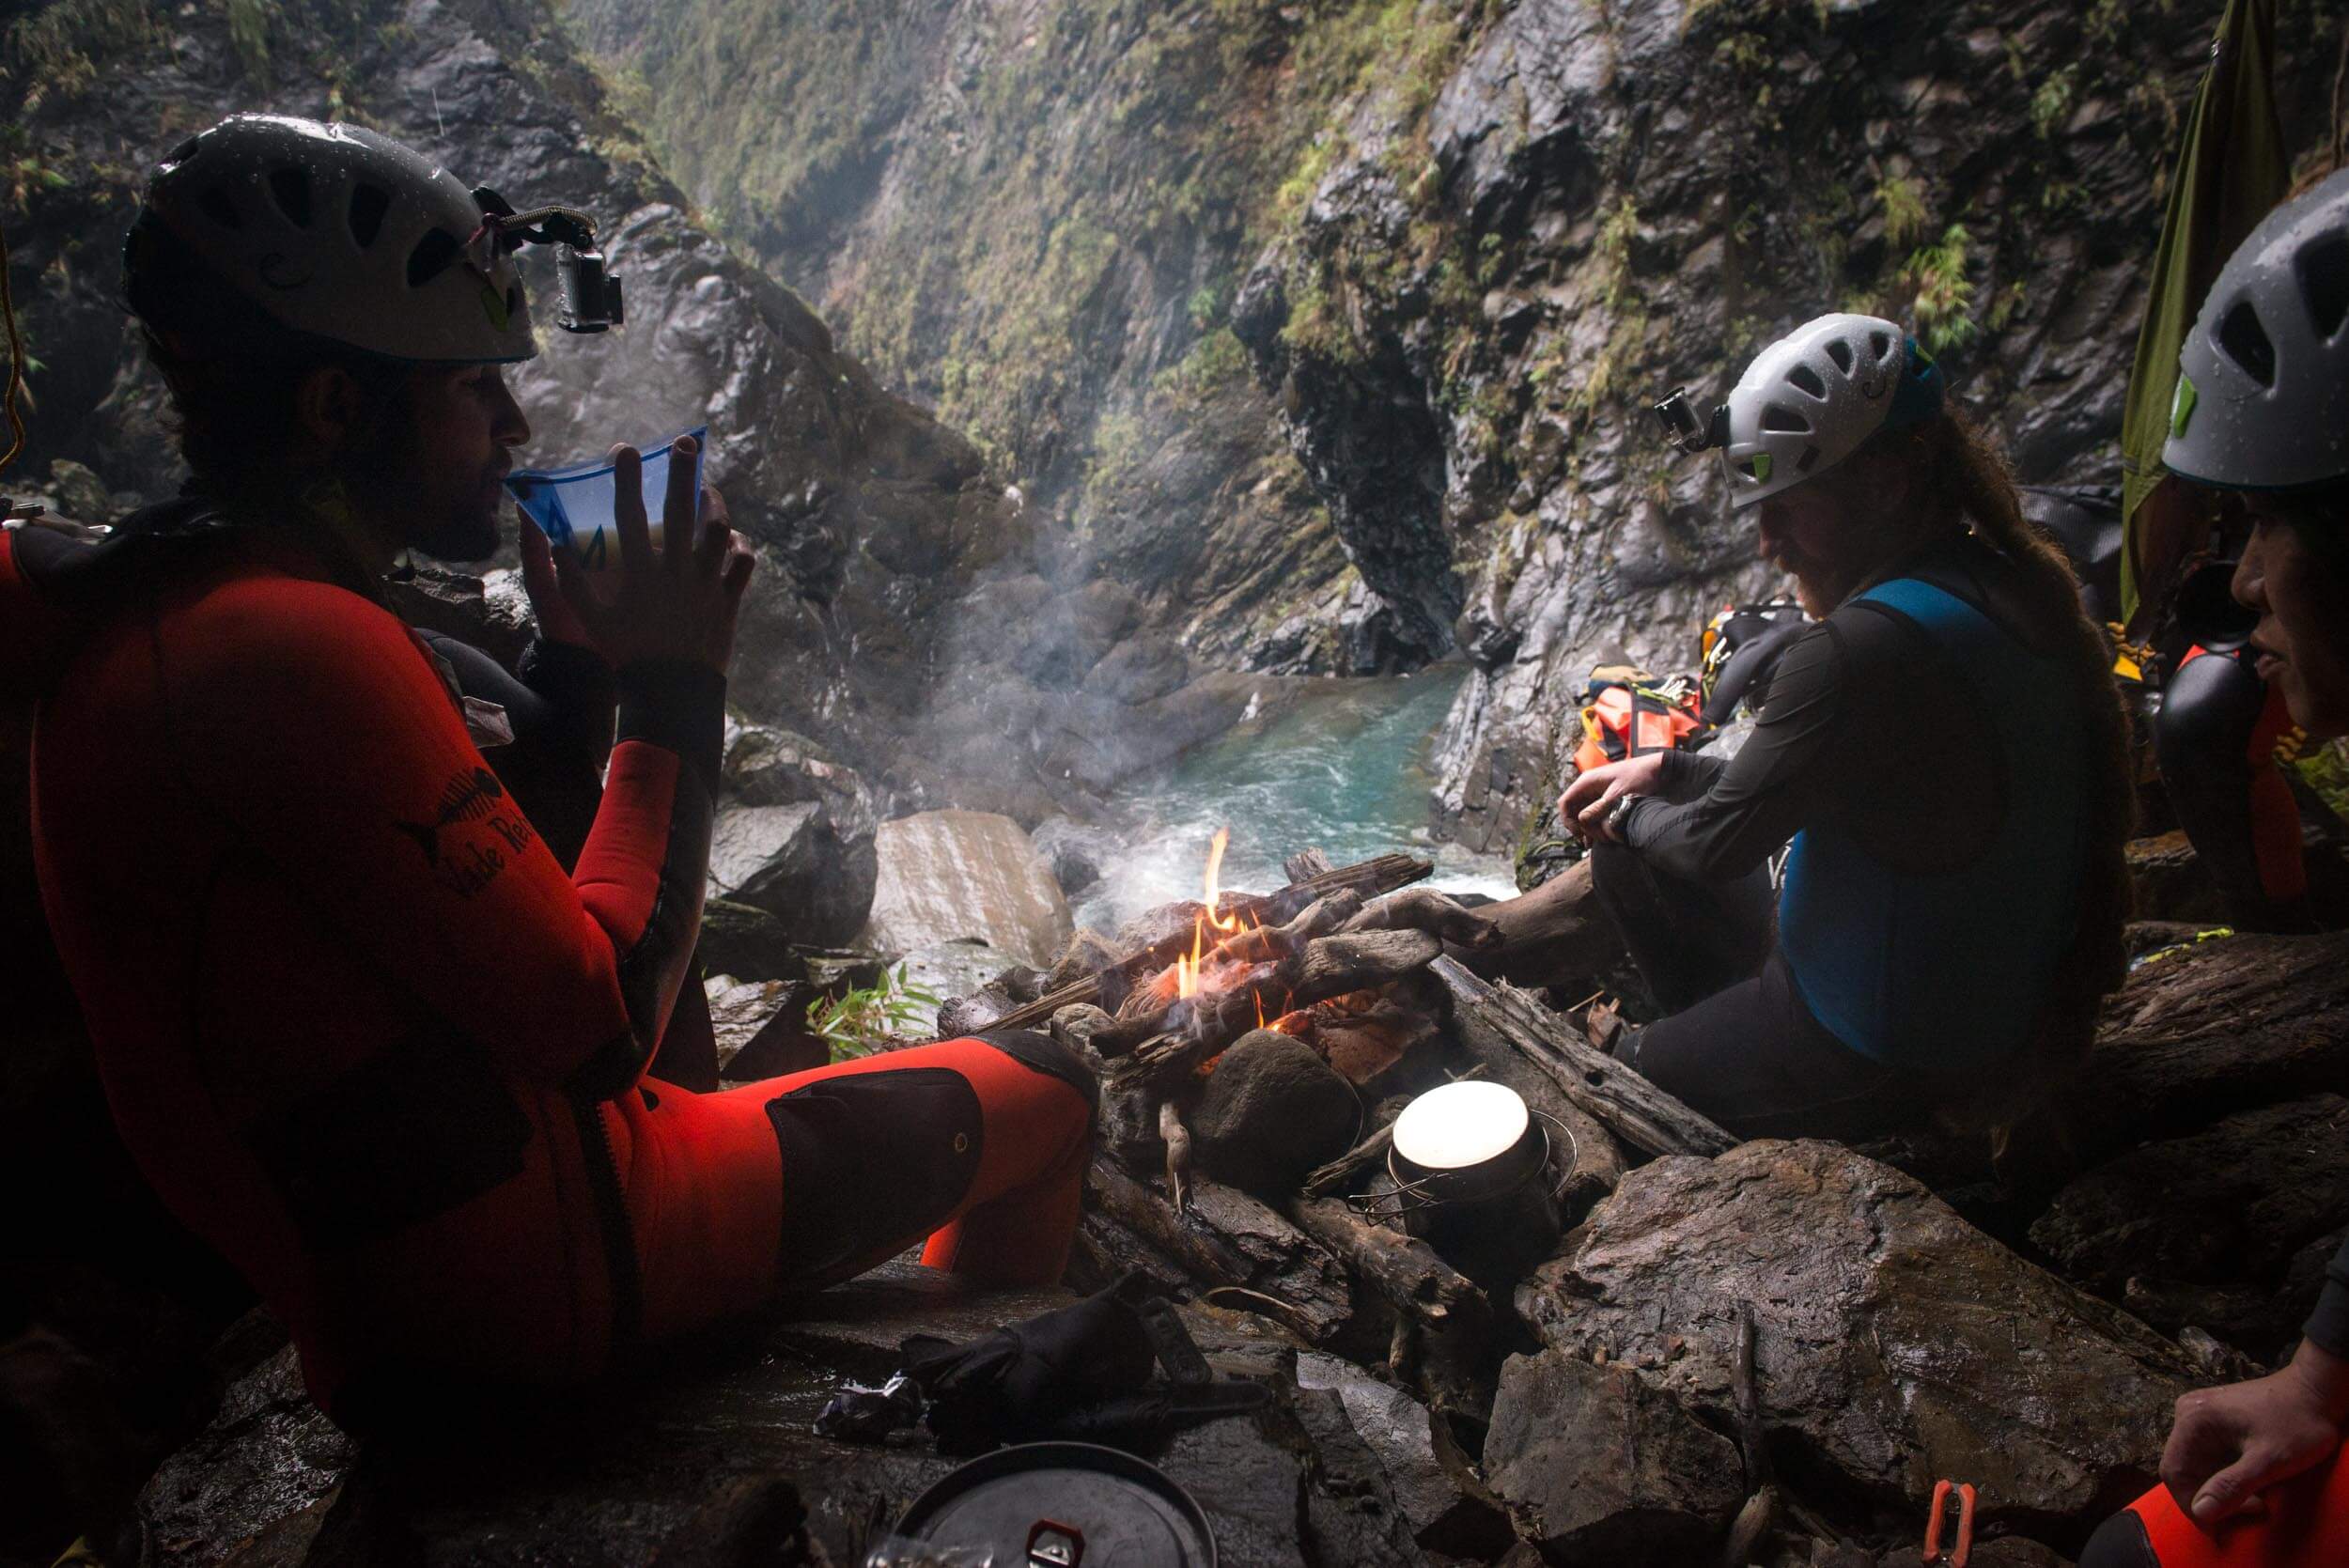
{"type": "Point", "coordinates": [964, 876]}
{"type": "Point", "coordinates": [1895, 1344]}
{"type": "Point", "coordinates": [1608, 1471]}
{"type": "Point", "coordinates": [2204, 1230]}
{"type": "Point", "coordinates": [794, 835]}
{"type": "Point", "coordinates": [1447, 1508]}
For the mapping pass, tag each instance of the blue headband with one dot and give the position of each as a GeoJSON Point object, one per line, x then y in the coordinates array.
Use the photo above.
{"type": "Point", "coordinates": [1919, 396]}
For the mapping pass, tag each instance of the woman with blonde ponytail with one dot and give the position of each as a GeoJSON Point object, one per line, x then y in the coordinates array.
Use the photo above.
{"type": "Point", "coordinates": [1943, 756]}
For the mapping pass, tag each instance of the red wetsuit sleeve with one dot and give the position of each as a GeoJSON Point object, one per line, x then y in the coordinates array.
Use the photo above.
{"type": "Point", "coordinates": [310, 726]}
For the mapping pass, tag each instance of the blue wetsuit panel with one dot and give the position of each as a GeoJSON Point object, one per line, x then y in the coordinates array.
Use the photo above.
{"type": "Point", "coordinates": [1943, 972]}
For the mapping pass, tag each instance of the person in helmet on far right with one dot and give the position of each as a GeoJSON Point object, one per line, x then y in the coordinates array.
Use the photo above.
{"type": "Point", "coordinates": [2252, 1473]}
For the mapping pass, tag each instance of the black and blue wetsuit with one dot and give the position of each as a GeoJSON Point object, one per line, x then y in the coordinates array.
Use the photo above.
{"type": "Point", "coordinates": [1922, 752]}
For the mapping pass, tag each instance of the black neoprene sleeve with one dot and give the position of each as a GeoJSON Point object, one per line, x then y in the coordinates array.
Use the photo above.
{"type": "Point", "coordinates": [2328, 1326]}
{"type": "Point", "coordinates": [1752, 805]}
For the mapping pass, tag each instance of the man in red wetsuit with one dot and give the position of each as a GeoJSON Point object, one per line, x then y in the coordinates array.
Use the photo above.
{"type": "Point", "coordinates": [356, 1023]}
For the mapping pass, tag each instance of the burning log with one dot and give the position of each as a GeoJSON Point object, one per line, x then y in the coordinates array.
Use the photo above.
{"type": "Point", "coordinates": [1327, 967]}
{"type": "Point", "coordinates": [1381, 874]}
{"type": "Point", "coordinates": [1497, 1019]}
{"type": "Point", "coordinates": [1425, 909]}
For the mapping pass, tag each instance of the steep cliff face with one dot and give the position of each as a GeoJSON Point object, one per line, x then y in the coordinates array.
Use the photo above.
{"type": "Point", "coordinates": [1606, 201]}
{"type": "Point", "coordinates": [1035, 218]}
{"type": "Point", "coordinates": [879, 531]}
{"type": "Point", "coordinates": [1461, 246]}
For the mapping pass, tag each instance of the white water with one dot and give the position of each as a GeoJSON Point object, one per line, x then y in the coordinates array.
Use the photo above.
{"type": "Point", "coordinates": [1341, 769]}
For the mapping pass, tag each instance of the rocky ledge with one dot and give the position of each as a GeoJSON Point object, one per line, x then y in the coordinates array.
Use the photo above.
{"type": "Point", "coordinates": [1778, 1350]}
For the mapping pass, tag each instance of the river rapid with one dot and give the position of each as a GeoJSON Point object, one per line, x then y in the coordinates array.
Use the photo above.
{"type": "Point", "coordinates": [1343, 768]}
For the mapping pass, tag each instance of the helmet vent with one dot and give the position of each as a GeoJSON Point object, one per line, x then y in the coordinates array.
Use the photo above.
{"type": "Point", "coordinates": [2246, 342]}
{"type": "Point", "coordinates": [1803, 377]}
{"type": "Point", "coordinates": [290, 189]}
{"type": "Point", "coordinates": [1880, 346]}
{"type": "Point", "coordinates": [2323, 268]}
{"type": "Point", "coordinates": [1840, 352]}
{"type": "Point", "coordinates": [1778, 416]}
{"type": "Point", "coordinates": [431, 256]}
{"type": "Point", "coordinates": [368, 203]}
{"type": "Point", "coordinates": [217, 207]}
{"type": "Point", "coordinates": [1809, 456]}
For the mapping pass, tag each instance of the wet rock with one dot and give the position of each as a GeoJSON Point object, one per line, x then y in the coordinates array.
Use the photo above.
{"type": "Point", "coordinates": [268, 1460]}
{"type": "Point", "coordinates": [1140, 670]}
{"type": "Point", "coordinates": [1610, 1472]}
{"type": "Point", "coordinates": [708, 1460]}
{"type": "Point", "coordinates": [762, 1027]}
{"type": "Point", "coordinates": [1088, 954]}
{"type": "Point", "coordinates": [2224, 1026]}
{"type": "Point", "coordinates": [795, 861]}
{"type": "Point", "coordinates": [2204, 1229]}
{"type": "Point", "coordinates": [951, 875]}
{"type": "Point", "coordinates": [82, 495]}
{"type": "Point", "coordinates": [458, 604]}
{"type": "Point", "coordinates": [1272, 1111]}
{"type": "Point", "coordinates": [1895, 1343]}
{"type": "Point", "coordinates": [1446, 1508]}
{"type": "Point", "coordinates": [747, 942]}
{"type": "Point", "coordinates": [958, 973]}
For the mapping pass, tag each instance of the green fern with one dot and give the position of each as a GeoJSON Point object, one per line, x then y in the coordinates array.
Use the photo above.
{"type": "Point", "coordinates": [861, 1021]}
{"type": "Point", "coordinates": [1944, 299]}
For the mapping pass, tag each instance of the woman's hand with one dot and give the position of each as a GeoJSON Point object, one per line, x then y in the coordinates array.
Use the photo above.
{"type": "Point", "coordinates": [678, 602]}
{"type": "Point", "coordinates": [2231, 1444]}
{"type": "Point", "coordinates": [1584, 807]}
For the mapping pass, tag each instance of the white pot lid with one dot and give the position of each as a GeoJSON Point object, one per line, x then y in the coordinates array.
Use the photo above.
{"type": "Point", "coordinates": [1460, 1125]}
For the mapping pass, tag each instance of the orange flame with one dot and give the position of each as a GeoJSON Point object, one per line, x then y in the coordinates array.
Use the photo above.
{"type": "Point", "coordinates": [1215, 879]}
{"type": "Point", "coordinates": [1186, 969]}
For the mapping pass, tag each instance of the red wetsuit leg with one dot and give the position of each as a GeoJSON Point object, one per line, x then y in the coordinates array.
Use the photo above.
{"type": "Point", "coordinates": [2306, 1523]}
{"type": "Point", "coordinates": [979, 1145]}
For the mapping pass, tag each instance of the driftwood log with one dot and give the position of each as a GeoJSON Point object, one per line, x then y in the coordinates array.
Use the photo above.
{"type": "Point", "coordinates": [1438, 1310]}
{"type": "Point", "coordinates": [1227, 1237]}
{"type": "Point", "coordinates": [1381, 874]}
{"type": "Point", "coordinates": [1494, 1017]}
{"type": "Point", "coordinates": [1425, 909]}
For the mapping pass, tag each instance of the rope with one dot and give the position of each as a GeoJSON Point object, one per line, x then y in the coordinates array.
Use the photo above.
{"type": "Point", "coordinates": [16, 363]}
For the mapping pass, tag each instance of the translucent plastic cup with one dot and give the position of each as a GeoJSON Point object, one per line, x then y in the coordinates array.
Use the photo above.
{"type": "Point", "coordinates": [573, 506]}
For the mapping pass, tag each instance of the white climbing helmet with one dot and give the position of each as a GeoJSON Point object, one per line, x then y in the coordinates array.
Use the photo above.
{"type": "Point", "coordinates": [1807, 400]}
{"type": "Point", "coordinates": [346, 235]}
{"type": "Point", "coordinates": [2262, 397]}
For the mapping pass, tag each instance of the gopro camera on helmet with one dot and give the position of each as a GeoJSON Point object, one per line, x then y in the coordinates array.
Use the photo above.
{"type": "Point", "coordinates": [1683, 430]}
{"type": "Point", "coordinates": [591, 296]}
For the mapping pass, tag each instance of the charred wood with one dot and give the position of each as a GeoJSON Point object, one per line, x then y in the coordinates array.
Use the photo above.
{"type": "Point", "coordinates": [1381, 874]}
{"type": "Point", "coordinates": [1225, 1237]}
